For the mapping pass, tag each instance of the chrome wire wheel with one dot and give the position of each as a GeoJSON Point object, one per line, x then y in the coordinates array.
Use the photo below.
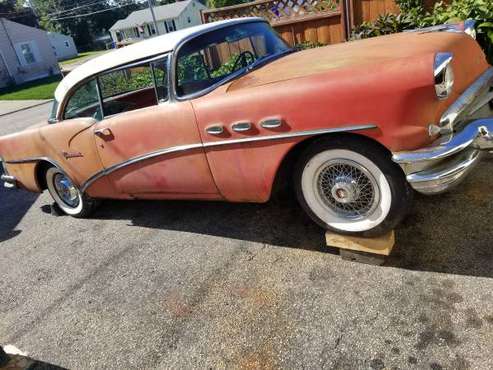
{"type": "Point", "coordinates": [347, 188]}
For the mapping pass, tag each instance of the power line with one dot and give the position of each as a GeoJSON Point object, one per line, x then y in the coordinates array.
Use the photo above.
{"type": "Point", "coordinates": [88, 14]}
{"type": "Point", "coordinates": [78, 7]}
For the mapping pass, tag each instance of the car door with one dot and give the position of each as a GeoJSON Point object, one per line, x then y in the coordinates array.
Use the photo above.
{"type": "Point", "coordinates": [150, 147]}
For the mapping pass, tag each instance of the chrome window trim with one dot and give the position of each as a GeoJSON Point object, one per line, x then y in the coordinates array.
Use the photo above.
{"type": "Point", "coordinates": [216, 85]}
{"type": "Point", "coordinates": [210, 144]}
{"type": "Point", "coordinates": [68, 94]}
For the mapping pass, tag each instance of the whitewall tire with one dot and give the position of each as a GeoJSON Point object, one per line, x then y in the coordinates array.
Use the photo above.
{"type": "Point", "coordinates": [349, 184]}
{"type": "Point", "coordinates": [66, 195]}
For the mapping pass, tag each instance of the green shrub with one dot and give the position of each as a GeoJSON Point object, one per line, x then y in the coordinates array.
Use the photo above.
{"type": "Point", "coordinates": [413, 15]}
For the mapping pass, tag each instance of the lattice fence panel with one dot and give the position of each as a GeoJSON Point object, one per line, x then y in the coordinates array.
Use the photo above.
{"type": "Point", "coordinates": [274, 10]}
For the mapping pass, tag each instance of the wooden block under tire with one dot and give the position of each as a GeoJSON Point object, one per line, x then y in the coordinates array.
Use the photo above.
{"type": "Point", "coordinates": [381, 245]}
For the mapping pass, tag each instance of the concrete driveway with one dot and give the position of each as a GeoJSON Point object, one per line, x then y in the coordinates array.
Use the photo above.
{"type": "Point", "coordinates": [217, 285]}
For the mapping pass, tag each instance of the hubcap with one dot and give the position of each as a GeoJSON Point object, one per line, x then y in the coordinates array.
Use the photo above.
{"type": "Point", "coordinates": [66, 190]}
{"type": "Point", "coordinates": [347, 189]}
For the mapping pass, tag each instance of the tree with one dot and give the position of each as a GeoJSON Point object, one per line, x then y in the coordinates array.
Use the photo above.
{"type": "Point", "coordinates": [14, 11]}
{"type": "Point", "coordinates": [68, 17]}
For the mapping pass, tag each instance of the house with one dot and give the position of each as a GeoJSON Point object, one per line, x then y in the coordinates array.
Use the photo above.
{"type": "Point", "coordinates": [63, 45]}
{"type": "Point", "coordinates": [171, 17]}
{"type": "Point", "coordinates": [25, 54]}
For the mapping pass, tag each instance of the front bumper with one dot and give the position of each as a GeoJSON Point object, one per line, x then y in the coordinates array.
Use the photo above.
{"type": "Point", "coordinates": [468, 124]}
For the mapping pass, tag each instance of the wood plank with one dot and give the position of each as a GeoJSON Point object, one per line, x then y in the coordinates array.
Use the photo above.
{"type": "Point", "coordinates": [381, 245]}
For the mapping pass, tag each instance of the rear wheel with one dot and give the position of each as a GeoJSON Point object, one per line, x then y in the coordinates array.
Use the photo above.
{"type": "Point", "coordinates": [67, 195]}
{"type": "Point", "coordinates": [350, 185]}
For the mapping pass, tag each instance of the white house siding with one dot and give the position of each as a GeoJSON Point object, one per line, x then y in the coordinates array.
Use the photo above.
{"type": "Point", "coordinates": [26, 52]}
{"type": "Point", "coordinates": [63, 45]}
{"type": "Point", "coordinates": [189, 16]}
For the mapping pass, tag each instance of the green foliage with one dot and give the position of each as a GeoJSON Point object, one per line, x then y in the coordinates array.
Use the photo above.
{"type": "Point", "coordinates": [413, 15]}
{"type": "Point", "coordinates": [226, 68]}
{"type": "Point", "coordinates": [82, 29]}
{"type": "Point", "coordinates": [213, 4]}
{"type": "Point", "coordinates": [123, 81]}
{"type": "Point", "coordinates": [307, 45]}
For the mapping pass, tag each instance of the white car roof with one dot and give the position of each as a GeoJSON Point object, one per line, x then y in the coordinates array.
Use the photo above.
{"type": "Point", "coordinates": [140, 50]}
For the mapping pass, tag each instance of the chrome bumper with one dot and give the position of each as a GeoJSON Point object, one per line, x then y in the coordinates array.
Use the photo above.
{"type": "Point", "coordinates": [435, 169]}
{"type": "Point", "coordinates": [467, 126]}
{"type": "Point", "coordinates": [9, 182]}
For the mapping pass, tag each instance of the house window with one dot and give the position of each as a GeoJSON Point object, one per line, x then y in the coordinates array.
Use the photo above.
{"type": "Point", "coordinates": [189, 20]}
{"type": "Point", "coordinates": [27, 53]}
{"type": "Point", "coordinates": [170, 25]}
{"type": "Point", "coordinates": [67, 45]}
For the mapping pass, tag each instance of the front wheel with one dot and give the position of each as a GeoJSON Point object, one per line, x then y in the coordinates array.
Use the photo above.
{"type": "Point", "coordinates": [349, 185]}
{"type": "Point", "coordinates": [67, 195]}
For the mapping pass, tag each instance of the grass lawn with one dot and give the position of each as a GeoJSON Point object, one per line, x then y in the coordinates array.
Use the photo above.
{"type": "Point", "coordinates": [81, 56]}
{"type": "Point", "coordinates": [34, 90]}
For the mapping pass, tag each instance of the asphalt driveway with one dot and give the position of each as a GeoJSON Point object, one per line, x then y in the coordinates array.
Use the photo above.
{"type": "Point", "coordinates": [217, 285]}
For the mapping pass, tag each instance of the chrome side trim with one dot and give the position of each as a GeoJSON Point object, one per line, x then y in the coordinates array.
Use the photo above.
{"type": "Point", "coordinates": [476, 89]}
{"type": "Point", "coordinates": [137, 159]}
{"type": "Point", "coordinates": [211, 144]}
{"type": "Point", "coordinates": [288, 135]}
{"type": "Point", "coordinates": [38, 159]}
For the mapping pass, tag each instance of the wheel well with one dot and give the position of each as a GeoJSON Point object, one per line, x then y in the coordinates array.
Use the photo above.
{"type": "Point", "coordinates": [283, 180]}
{"type": "Point", "coordinates": [40, 174]}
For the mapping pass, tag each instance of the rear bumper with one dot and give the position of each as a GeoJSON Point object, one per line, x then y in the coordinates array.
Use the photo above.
{"type": "Point", "coordinates": [436, 169]}
{"type": "Point", "coordinates": [9, 182]}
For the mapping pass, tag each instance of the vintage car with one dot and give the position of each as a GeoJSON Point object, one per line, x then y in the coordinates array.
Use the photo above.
{"type": "Point", "coordinates": [227, 111]}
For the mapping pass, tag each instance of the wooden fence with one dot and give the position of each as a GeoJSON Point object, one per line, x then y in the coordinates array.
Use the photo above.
{"type": "Point", "coordinates": [297, 21]}
{"type": "Point", "coordinates": [315, 21]}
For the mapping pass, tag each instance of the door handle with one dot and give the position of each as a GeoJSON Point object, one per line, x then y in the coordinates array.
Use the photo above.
{"type": "Point", "coordinates": [215, 130]}
{"type": "Point", "coordinates": [103, 132]}
{"type": "Point", "coordinates": [241, 126]}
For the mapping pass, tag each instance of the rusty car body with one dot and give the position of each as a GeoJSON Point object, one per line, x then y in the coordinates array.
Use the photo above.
{"type": "Point", "coordinates": [227, 111]}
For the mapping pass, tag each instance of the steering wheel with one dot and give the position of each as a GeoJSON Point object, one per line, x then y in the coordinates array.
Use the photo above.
{"type": "Point", "coordinates": [243, 57]}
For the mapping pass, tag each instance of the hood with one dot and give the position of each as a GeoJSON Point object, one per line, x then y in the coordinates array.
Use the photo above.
{"type": "Point", "coordinates": [363, 54]}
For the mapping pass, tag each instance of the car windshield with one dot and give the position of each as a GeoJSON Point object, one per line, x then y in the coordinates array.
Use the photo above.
{"type": "Point", "coordinates": [216, 56]}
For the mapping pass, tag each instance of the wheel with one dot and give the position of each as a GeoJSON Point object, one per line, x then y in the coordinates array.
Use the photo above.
{"type": "Point", "coordinates": [349, 185]}
{"type": "Point", "coordinates": [67, 195]}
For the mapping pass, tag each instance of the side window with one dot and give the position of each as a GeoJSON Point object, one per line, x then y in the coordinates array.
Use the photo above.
{"type": "Point", "coordinates": [160, 69]}
{"type": "Point", "coordinates": [84, 102]}
{"type": "Point", "coordinates": [127, 89]}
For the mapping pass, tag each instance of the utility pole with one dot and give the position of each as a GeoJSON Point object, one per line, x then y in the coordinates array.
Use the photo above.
{"type": "Point", "coordinates": [153, 16]}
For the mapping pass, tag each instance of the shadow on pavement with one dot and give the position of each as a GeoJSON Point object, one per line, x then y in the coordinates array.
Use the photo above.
{"type": "Point", "coordinates": [449, 233]}
{"type": "Point", "coordinates": [14, 204]}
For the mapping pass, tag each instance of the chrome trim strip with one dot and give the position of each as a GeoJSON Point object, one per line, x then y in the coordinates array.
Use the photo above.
{"type": "Point", "coordinates": [288, 135]}
{"type": "Point", "coordinates": [137, 159]}
{"type": "Point", "coordinates": [467, 98]}
{"type": "Point", "coordinates": [211, 144]}
{"type": "Point", "coordinates": [38, 159]}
